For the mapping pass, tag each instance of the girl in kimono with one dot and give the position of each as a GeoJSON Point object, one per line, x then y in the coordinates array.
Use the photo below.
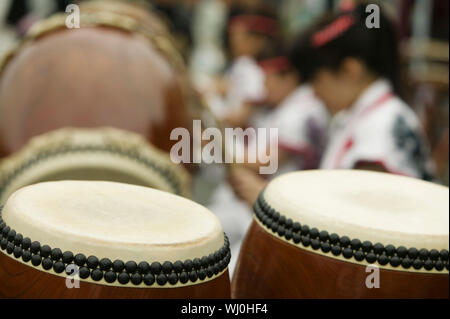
{"type": "Point", "coordinates": [354, 69]}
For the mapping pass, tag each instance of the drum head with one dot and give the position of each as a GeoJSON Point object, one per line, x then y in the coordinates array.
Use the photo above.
{"type": "Point", "coordinates": [388, 213]}
{"type": "Point", "coordinates": [99, 226]}
{"type": "Point", "coordinates": [107, 154]}
{"type": "Point", "coordinates": [346, 234]}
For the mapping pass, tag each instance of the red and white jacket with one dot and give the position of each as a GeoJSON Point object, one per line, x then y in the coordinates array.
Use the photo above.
{"type": "Point", "coordinates": [380, 129]}
{"type": "Point", "coordinates": [302, 122]}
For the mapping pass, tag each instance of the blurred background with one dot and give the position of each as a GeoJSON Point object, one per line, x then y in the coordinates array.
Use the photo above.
{"type": "Point", "coordinates": [200, 30]}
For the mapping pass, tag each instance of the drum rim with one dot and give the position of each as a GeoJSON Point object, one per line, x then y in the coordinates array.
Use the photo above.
{"type": "Point", "coordinates": [134, 274]}
{"type": "Point", "coordinates": [409, 259]}
{"type": "Point", "coordinates": [111, 20]}
{"type": "Point", "coordinates": [114, 141]}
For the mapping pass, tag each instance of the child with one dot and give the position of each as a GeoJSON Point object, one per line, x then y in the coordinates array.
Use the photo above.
{"type": "Point", "coordinates": [250, 35]}
{"type": "Point", "coordinates": [353, 69]}
{"type": "Point", "coordinates": [300, 117]}
{"type": "Point", "coordinates": [301, 120]}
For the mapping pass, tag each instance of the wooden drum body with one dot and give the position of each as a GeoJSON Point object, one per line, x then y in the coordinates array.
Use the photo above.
{"type": "Point", "coordinates": [352, 253]}
{"type": "Point", "coordinates": [32, 284]}
{"type": "Point", "coordinates": [116, 70]}
{"type": "Point", "coordinates": [109, 240]}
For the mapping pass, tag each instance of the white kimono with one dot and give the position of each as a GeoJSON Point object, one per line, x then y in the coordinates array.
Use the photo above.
{"type": "Point", "coordinates": [302, 122]}
{"type": "Point", "coordinates": [380, 129]}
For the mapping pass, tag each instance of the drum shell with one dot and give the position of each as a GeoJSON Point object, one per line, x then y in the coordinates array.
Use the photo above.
{"type": "Point", "coordinates": [90, 77]}
{"type": "Point", "coordinates": [271, 268]}
{"type": "Point", "coordinates": [21, 281]}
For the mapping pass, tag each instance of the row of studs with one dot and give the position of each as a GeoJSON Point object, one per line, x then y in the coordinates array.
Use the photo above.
{"type": "Point", "coordinates": [97, 269]}
{"type": "Point", "coordinates": [349, 248]}
{"type": "Point", "coordinates": [110, 149]}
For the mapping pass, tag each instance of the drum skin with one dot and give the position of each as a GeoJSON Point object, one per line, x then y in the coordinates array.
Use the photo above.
{"type": "Point", "coordinates": [270, 268]}
{"type": "Point", "coordinates": [21, 281]}
{"type": "Point", "coordinates": [90, 77]}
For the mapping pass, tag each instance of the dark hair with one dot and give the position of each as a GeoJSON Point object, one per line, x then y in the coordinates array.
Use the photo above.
{"type": "Point", "coordinates": [263, 10]}
{"type": "Point", "coordinates": [345, 34]}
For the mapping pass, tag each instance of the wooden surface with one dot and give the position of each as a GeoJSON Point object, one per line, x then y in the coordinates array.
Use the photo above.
{"type": "Point", "coordinates": [21, 281]}
{"type": "Point", "coordinates": [270, 268]}
{"type": "Point", "coordinates": [90, 77]}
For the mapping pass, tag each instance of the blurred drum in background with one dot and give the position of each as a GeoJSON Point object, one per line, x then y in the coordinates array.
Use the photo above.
{"type": "Point", "coordinates": [109, 240]}
{"type": "Point", "coordinates": [108, 154]}
{"type": "Point", "coordinates": [119, 69]}
{"type": "Point", "coordinates": [346, 234]}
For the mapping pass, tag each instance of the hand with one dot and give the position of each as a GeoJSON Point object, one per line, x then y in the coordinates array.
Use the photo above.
{"type": "Point", "coordinates": [246, 184]}
{"type": "Point", "coordinates": [240, 117]}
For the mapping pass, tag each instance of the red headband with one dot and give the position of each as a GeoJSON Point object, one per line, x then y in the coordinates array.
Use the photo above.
{"type": "Point", "coordinates": [333, 30]}
{"type": "Point", "coordinates": [256, 23]}
{"type": "Point", "coordinates": [347, 5]}
{"type": "Point", "coordinates": [277, 64]}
